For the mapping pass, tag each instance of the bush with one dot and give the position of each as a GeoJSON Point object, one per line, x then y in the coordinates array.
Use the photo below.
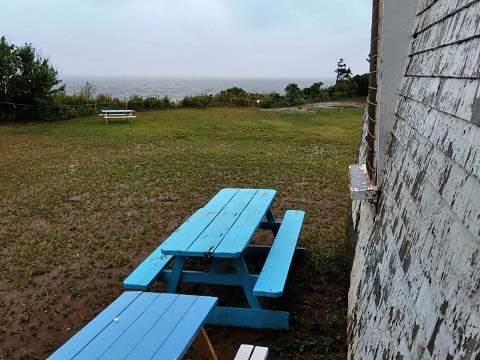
{"type": "Point", "coordinates": [26, 78]}
{"type": "Point", "coordinates": [360, 83]}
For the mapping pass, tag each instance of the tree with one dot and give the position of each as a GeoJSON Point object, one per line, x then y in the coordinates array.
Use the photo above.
{"type": "Point", "coordinates": [7, 67]}
{"type": "Point", "coordinates": [360, 83]}
{"type": "Point", "coordinates": [25, 76]}
{"type": "Point", "coordinates": [234, 92]}
{"type": "Point", "coordinates": [88, 90]}
{"type": "Point", "coordinates": [313, 92]}
{"type": "Point", "coordinates": [292, 91]}
{"type": "Point", "coordinates": [294, 95]}
{"type": "Point", "coordinates": [343, 73]}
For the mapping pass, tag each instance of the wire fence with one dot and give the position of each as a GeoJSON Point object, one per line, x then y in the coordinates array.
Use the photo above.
{"type": "Point", "coordinates": [70, 106]}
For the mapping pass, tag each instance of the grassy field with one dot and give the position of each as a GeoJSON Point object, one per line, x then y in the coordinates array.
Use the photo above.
{"type": "Point", "coordinates": [82, 204]}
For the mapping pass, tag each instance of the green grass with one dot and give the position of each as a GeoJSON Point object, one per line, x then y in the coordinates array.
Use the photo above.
{"type": "Point", "coordinates": [82, 204]}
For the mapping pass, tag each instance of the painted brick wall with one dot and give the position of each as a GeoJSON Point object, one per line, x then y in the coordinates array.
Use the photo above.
{"type": "Point", "coordinates": [415, 281]}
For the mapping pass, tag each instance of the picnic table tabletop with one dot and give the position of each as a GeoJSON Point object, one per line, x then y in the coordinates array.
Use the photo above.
{"type": "Point", "coordinates": [224, 227]}
{"type": "Point", "coordinates": [117, 111]}
{"type": "Point", "coordinates": [140, 325]}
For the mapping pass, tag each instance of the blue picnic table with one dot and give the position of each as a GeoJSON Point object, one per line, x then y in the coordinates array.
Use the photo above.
{"type": "Point", "coordinates": [141, 325]}
{"type": "Point", "coordinates": [117, 114]}
{"type": "Point", "coordinates": [222, 230]}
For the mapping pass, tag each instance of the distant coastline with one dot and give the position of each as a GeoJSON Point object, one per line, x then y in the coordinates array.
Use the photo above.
{"type": "Point", "coordinates": [178, 88]}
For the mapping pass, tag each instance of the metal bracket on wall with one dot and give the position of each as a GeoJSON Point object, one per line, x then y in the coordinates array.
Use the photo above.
{"type": "Point", "coordinates": [360, 186]}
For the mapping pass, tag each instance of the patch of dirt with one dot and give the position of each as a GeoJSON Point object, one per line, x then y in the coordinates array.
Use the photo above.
{"type": "Point", "coordinates": [310, 108]}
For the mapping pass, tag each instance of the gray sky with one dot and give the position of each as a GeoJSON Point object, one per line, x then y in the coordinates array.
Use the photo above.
{"type": "Point", "coordinates": [225, 38]}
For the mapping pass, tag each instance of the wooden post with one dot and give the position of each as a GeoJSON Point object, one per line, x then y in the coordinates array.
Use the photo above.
{"type": "Point", "coordinates": [204, 346]}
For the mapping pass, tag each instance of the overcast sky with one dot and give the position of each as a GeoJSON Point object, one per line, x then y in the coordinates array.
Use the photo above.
{"type": "Point", "coordinates": [224, 38]}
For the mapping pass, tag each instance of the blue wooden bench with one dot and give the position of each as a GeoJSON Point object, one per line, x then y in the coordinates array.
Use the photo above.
{"type": "Point", "coordinates": [250, 352]}
{"type": "Point", "coordinates": [143, 325]}
{"type": "Point", "coordinates": [222, 230]}
{"type": "Point", "coordinates": [273, 276]}
{"type": "Point", "coordinates": [147, 271]}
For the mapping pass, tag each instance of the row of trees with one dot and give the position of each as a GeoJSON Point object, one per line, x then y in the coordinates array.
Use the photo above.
{"type": "Point", "coordinates": [31, 90]}
{"type": "Point", "coordinates": [347, 88]}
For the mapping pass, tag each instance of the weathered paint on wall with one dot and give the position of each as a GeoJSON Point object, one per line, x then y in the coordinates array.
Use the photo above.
{"type": "Point", "coordinates": [397, 19]}
{"type": "Point", "coordinates": [415, 281]}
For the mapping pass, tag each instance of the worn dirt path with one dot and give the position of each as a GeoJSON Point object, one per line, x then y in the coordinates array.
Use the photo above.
{"type": "Point", "coordinates": [316, 106]}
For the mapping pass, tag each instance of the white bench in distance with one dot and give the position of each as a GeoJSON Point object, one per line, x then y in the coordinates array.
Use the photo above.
{"type": "Point", "coordinates": [117, 114]}
{"type": "Point", "coordinates": [250, 352]}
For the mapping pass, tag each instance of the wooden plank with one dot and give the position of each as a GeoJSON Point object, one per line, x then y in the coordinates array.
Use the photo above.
{"type": "Point", "coordinates": [220, 199]}
{"type": "Point", "coordinates": [81, 339]}
{"type": "Point", "coordinates": [110, 334]}
{"type": "Point", "coordinates": [207, 277]}
{"type": "Point", "coordinates": [117, 111]}
{"type": "Point", "coordinates": [147, 271]}
{"type": "Point", "coordinates": [187, 233]}
{"type": "Point", "coordinates": [153, 340]}
{"type": "Point", "coordinates": [187, 329]}
{"type": "Point", "coordinates": [249, 318]}
{"type": "Point", "coordinates": [273, 276]}
{"type": "Point", "coordinates": [264, 250]}
{"type": "Point", "coordinates": [219, 227]}
{"type": "Point", "coordinates": [246, 281]}
{"type": "Point", "coordinates": [176, 274]}
{"type": "Point", "coordinates": [244, 352]}
{"type": "Point", "coordinates": [145, 322]}
{"type": "Point", "coordinates": [241, 233]}
{"type": "Point", "coordinates": [260, 353]}
{"type": "Point", "coordinates": [204, 346]}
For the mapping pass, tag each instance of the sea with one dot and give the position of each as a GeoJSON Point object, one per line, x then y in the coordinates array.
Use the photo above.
{"type": "Point", "coordinates": [178, 88]}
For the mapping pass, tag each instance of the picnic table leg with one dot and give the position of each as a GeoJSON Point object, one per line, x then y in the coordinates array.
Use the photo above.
{"type": "Point", "coordinates": [204, 346]}
{"type": "Point", "coordinates": [176, 274]}
{"type": "Point", "coordinates": [246, 281]}
{"type": "Point", "coordinates": [269, 215]}
{"type": "Point", "coordinates": [216, 265]}
{"type": "Point", "coordinates": [271, 219]}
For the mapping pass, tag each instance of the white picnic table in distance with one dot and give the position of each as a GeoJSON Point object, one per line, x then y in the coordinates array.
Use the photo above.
{"type": "Point", "coordinates": [117, 114]}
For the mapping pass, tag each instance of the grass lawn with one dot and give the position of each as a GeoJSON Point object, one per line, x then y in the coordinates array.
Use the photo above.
{"type": "Point", "coordinates": [83, 203]}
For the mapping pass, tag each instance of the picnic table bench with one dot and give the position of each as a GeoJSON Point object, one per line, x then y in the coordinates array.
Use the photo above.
{"type": "Point", "coordinates": [143, 325]}
{"type": "Point", "coordinates": [117, 114]}
{"type": "Point", "coordinates": [222, 230]}
{"type": "Point", "coordinates": [250, 352]}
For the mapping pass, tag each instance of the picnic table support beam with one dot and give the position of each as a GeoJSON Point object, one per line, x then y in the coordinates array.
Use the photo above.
{"type": "Point", "coordinates": [211, 278]}
{"type": "Point", "coordinates": [246, 281]}
{"type": "Point", "coordinates": [249, 318]}
{"type": "Point", "coordinates": [176, 274]}
{"type": "Point", "coordinates": [263, 250]}
{"type": "Point", "coordinates": [267, 225]}
{"type": "Point", "coordinates": [271, 222]}
{"type": "Point", "coordinates": [216, 265]}
{"type": "Point", "coordinates": [269, 215]}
